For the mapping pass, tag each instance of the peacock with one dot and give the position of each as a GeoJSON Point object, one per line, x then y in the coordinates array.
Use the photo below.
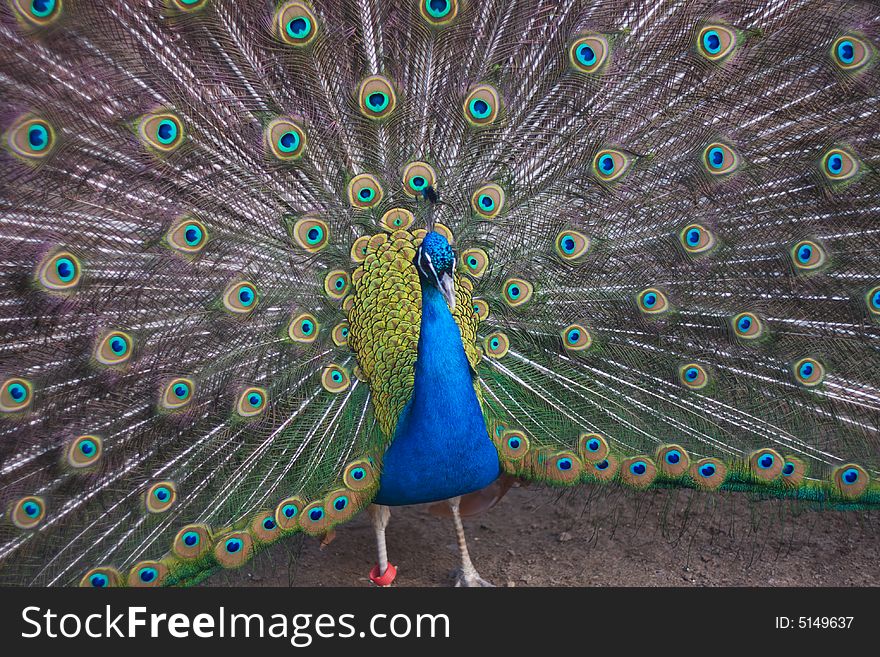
{"type": "Point", "coordinates": [267, 264]}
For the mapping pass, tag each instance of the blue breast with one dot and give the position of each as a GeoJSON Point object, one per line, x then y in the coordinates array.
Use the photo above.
{"type": "Point", "coordinates": [441, 448]}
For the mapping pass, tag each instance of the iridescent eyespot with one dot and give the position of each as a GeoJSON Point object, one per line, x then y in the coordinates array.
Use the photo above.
{"type": "Point", "coordinates": [808, 372]}
{"type": "Point", "coordinates": [697, 239]}
{"type": "Point", "coordinates": [177, 394]}
{"type": "Point", "coordinates": [872, 299]}
{"type": "Point", "coordinates": [693, 375]}
{"type": "Point", "coordinates": [793, 472]}
{"type": "Point", "coordinates": [766, 464]}
{"type": "Point", "coordinates": [475, 262]}
{"type": "Point", "coordinates": [314, 519]}
{"type": "Point", "coordinates": [160, 497]}
{"type": "Point", "coordinates": [496, 345]}
{"type": "Point", "coordinates": [303, 328]}
{"type": "Point", "coordinates": [708, 473]}
{"type": "Point", "coordinates": [233, 549]}
{"type": "Point", "coordinates": [295, 23]}
{"type": "Point", "coordinates": [359, 248]}
{"type": "Point", "coordinates": [571, 245]}
{"type": "Point", "coordinates": [852, 480]}
{"type": "Point", "coordinates": [716, 42]}
{"type": "Point", "coordinates": [251, 402]}
{"type": "Point", "coordinates": [610, 164]}
{"type": "Point", "coordinates": [514, 444]}
{"type": "Point", "coordinates": [438, 12]}
{"type": "Point", "coordinates": [311, 233]}
{"type": "Point", "coordinates": [334, 378]}
{"type": "Point", "coordinates": [397, 219]}
{"type": "Point", "coordinates": [850, 53]}
{"type": "Point", "coordinates": [187, 5]}
{"type": "Point", "coordinates": [638, 471]}
{"type": "Point", "coordinates": [37, 13]}
{"type": "Point", "coordinates": [652, 301]}
{"type": "Point", "coordinates": [191, 541]}
{"type": "Point", "coordinates": [285, 139]}
{"type": "Point", "coordinates": [365, 191]}
{"type": "Point", "coordinates": [516, 292]}
{"type": "Point", "coordinates": [747, 326]}
{"type": "Point", "coordinates": [188, 236]}
{"type": "Point", "coordinates": [84, 451]}
{"type": "Point", "coordinates": [481, 309]}
{"type": "Point", "coordinates": [101, 578]}
{"type": "Point", "coordinates": [147, 574]}
{"type": "Point", "coordinates": [838, 165]}
{"type": "Point", "coordinates": [604, 469]}
{"type": "Point", "coordinates": [336, 283]}
{"type": "Point", "coordinates": [288, 511]}
{"type": "Point", "coordinates": [672, 460]}
{"type": "Point", "coordinates": [59, 272]}
{"type": "Point", "coordinates": [487, 200]}
{"type": "Point", "coordinates": [161, 131]}
{"type": "Point", "coordinates": [27, 512]}
{"type": "Point", "coordinates": [576, 338]}
{"type": "Point", "coordinates": [376, 97]}
{"type": "Point", "coordinates": [339, 505]}
{"type": "Point", "coordinates": [15, 395]}
{"type": "Point", "coordinates": [264, 526]}
{"type": "Point", "coordinates": [339, 334]}
{"type": "Point", "coordinates": [30, 138]}
{"type": "Point", "coordinates": [240, 298]}
{"type": "Point", "coordinates": [416, 177]}
{"type": "Point", "coordinates": [720, 159]}
{"type": "Point", "coordinates": [113, 349]}
{"type": "Point", "coordinates": [808, 255]}
{"type": "Point", "coordinates": [592, 447]}
{"type": "Point", "coordinates": [481, 106]}
{"type": "Point", "coordinates": [359, 475]}
{"type": "Point", "coordinates": [588, 54]}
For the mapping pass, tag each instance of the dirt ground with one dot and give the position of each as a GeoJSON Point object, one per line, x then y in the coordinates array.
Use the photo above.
{"type": "Point", "coordinates": [592, 537]}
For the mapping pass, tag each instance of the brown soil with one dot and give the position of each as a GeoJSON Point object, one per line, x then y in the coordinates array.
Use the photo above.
{"type": "Point", "coordinates": [592, 537]}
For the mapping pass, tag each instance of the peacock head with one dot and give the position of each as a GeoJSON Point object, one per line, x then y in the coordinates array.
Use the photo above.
{"type": "Point", "coordinates": [435, 262]}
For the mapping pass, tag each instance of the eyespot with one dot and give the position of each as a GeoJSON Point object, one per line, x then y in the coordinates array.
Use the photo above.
{"type": "Point", "coordinates": [314, 519]}
{"type": "Point", "coordinates": [113, 348]}
{"type": "Point", "coordinates": [747, 326]}
{"type": "Point", "coordinates": [188, 5]}
{"type": "Point", "coordinates": [336, 283]}
{"type": "Point", "coordinates": [693, 375]}
{"type": "Point", "coordinates": [438, 12]}
{"type": "Point", "coordinates": [793, 472]}
{"type": "Point", "coordinates": [252, 402]}
{"type": "Point", "coordinates": [161, 131]}
{"type": "Point", "coordinates": [264, 527]}
{"type": "Point", "coordinates": [101, 578]}
{"type": "Point", "coordinates": [285, 139]}
{"type": "Point", "coordinates": [638, 471]}
{"type": "Point", "coordinates": [496, 345]}
{"type": "Point", "coordinates": [475, 262]}
{"type": "Point", "coordinates": [303, 328]}
{"type": "Point", "coordinates": [397, 219]}
{"type": "Point", "coordinates": [672, 460]}
{"type": "Point", "coordinates": [240, 298]}
{"type": "Point", "coordinates": [311, 233]}
{"type": "Point", "coordinates": [481, 309]}
{"type": "Point", "coordinates": [592, 447]}
{"type": "Point", "coordinates": [295, 24]}
{"type": "Point", "coordinates": [416, 177]}
{"type": "Point", "coordinates": [365, 191]}
{"type": "Point", "coordinates": [708, 473]}
{"type": "Point", "coordinates": [15, 395]}
{"type": "Point", "coordinates": [84, 451]}
{"type": "Point", "coordinates": [514, 445]}
{"type": "Point", "coordinates": [808, 255]}
{"type": "Point", "coordinates": [481, 106]}
{"type": "Point", "coordinates": [589, 54]}
{"type": "Point", "coordinates": [287, 513]}
{"type": "Point", "coordinates": [28, 512]}
{"type": "Point", "coordinates": [177, 394]}
{"type": "Point", "coordinates": [188, 236]}
{"type": "Point", "coordinates": [766, 464]}
{"type": "Point", "coordinates": [191, 541]}
{"type": "Point", "coordinates": [716, 42]}
{"type": "Point", "coordinates": [340, 505]}
{"type": "Point", "coordinates": [377, 98]}
{"type": "Point", "coordinates": [160, 496]}
{"type": "Point", "coordinates": [850, 53]}
{"type": "Point", "coordinates": [233, 549]}
{"type": "Point", "coordinates": [563, 468]}
{"type": "Point", "coordinates": [517, 292]}
{"type": "Point", "coordinates": [839, 165]}
{"type": "Point", "coordinates": [340, 334]}
{"type": "Point", "coordinates": [147, 574]}
{"type": "Point", "coordinates": [610, 164]}
{"type": "Point", "coordinates": [603, 470]}
{"type": "Point", "coordinates": [334, 378]}
{"type": "Point", "coordinates": [359, 475]}
{"type": "Point", "coordinates": [359, 248]}
{"type": "Point", "coordinates": [571, 245]}
{"type": "Point", "coordinates": [852, 480]}
{"type": "Point", "coordinates": [720, 159]}
{"type": "Point", "coordinates": [31, 138]}
{"type": "Point", "coordinates": [487, 200]}
{"type": "Point", "coordinates": [872, 298]}
{"type": "Point", "coordinates": [576, 338]}
{"type": "Point", "coordinates": [697, 239]}
{"type": "Point", "coordinates": [808, 372]}
{"type": "Point", "coordinates": [652, 301]}
{"type": "Point", "coordinates": [59, 272]}
{"type": "Point", "coordinates": [37, 13]}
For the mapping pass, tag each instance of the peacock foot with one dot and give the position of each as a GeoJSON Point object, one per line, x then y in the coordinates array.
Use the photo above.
{"type": "Point", "coordinates": [470, 578]}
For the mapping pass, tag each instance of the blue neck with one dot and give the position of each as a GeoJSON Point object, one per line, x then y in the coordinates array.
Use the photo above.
{"type": "Point", "coordinates": [440, 448]}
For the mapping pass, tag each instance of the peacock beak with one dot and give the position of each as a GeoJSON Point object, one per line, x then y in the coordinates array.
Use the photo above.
{"type": "Point", "coordinates": [447, 288]}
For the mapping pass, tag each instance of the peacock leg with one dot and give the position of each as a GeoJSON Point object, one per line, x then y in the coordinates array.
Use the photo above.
{"type": "Point", "coordinates": [467, 575]}
{"type": "Point", "coordinates": [383, 573]}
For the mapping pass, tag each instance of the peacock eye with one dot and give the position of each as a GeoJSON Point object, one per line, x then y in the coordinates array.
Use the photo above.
{"type": "Point", "coordinates": [37, 13]}
{"type": "Point", "coordinates": [610, 165]}
{"type": "Point", "coordinates": [438, 12]}
{"type": "Point", "coordinates": [716, 42]}
{"type": "Point", "coordinates": [311, 233]}
{"type": "Point", "coordinates": [720, 159]}
{"type": "Point", "coordinates": [177, 394]}
{"type": "Point", "coordinates": [416, 177]}
{"type": "Point", "coordinates": [397, 219]}
{"type": "Point", "coordinates": [809, 372]}
{"type": "Point", "coordinates": [481, 106]}
{"type": "Point", "coordinates": [475, 261]}
{"type": "Point", "coordinates": [286, 139]}
{"type": "Point", "coordinates": [240, 298]}
{"type": "Point", "coordinates": [693, 376]}
{"type": "Point", "coordinates": [697, 239]}
{"type": "Point", "coordinates": [161, 497]}
{"type": "Point", "coordinates": [295, 24]}
{"type": "Point", "coordinates": [30, 138]}
{"type": "Point", "coordinates": [517, 291]}
{"type": "Point", "coordinates": [334, 378]}
{"type": "Point", "coordinates": [872, 298]}
{"type": "Point", "coordinates": [839, 165]}
{"type": "Point", "coordinates": [497, 345]}
{"type": "Point", "coordinates": [747, 326]}
{"type": "Point", "coordinates": [189, 5]}
{"type": "Point", "coordinates": [376, 97]}
{"type": "Point", "coordinates": [571, 245]}
{"type": "Point", "coordinates": [60, 272]}
{"type": "Point", "coordinates": [162, 132]}
{"type": "Point", "coordinates": [15, 395]}
{"type": "Point", "coordinates": [652, 301]}
{"type": "Point", "coordinates": [336, 284]}
{"type": "Point", "coordinates": [808, 255]}
{"type": "Point", "coordinates": [576, 338]}
{"type": "Point", "coordinates": [589, 54]}
{"type": "Point", "coordinates": [488, 200]}
{"type": "Point", "coordinates": [84, 451]}
{"type": "Point", "coordinates": [364, 191]}
{"type": "Point", "coordinates": [113, 349]}
{"type": "Point", "coordinates": [850, 53]}
{"type": "Point", "coordinates": [251, 402]}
